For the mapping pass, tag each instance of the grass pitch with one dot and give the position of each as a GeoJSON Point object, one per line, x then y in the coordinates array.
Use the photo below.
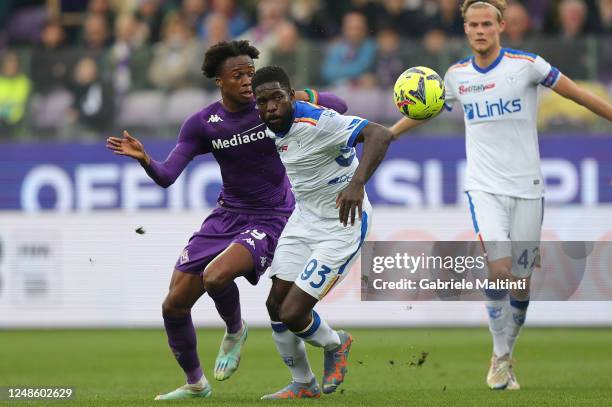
{"type": "Point", "coordinates": [556, 367]}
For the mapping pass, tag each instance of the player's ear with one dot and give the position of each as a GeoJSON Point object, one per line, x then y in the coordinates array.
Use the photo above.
{"type": "Point", "coordinates": [502, 26]}
{"type": "Point", "coordinates": [291, 94]}
{"type": "Point", "coordinates": [218, 81]}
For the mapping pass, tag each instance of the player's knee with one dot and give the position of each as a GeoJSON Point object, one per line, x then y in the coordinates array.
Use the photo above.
{"type": "Point", "coordinates": [291, 316]}
{"type": "Point", "coordinates": [522, 293]}
{"type": "Point", "coordinates": [500, 269]}
{"type": "Point", "coordinates": [273, 309]}
{"type": "Point", "coordinates": [171, 308]}
{"type": "Point", "coordinates": [214, 280]}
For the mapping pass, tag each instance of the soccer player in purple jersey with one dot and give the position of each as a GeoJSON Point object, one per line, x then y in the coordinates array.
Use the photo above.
{"type": "Point", "coordinates": [239, 237]}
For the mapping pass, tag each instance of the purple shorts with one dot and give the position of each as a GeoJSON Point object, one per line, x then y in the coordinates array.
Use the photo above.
{"type": "Point", "coordinates": [258, 233]}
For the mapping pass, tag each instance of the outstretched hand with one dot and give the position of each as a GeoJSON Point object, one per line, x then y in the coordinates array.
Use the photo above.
{"type": "Point", "coordinates": [350, 202]}
{"type": "Point", "coordinates": [128, 146]}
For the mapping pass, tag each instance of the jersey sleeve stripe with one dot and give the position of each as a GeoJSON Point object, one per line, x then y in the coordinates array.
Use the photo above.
{"type": "Point", "coordinates": [459, 65]}
{"type": "Point", "coordinates": [552, 78]}
{"type": "Point", "coordinates": [306, 120]}
{"type": "Point", "coordinates": [314, 105]}
{"type": "Point", "coordinates": [525, 57]}
{"type": "Point", "coordinates": [519, 52]}
{"type": "Point", "coordinates": [355, 133]}
{"type": "Point", "coordinates": [448, 107]}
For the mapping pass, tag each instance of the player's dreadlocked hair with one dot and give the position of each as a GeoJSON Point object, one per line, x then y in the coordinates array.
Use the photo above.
{"type": "Point", "coordinates": [271, 74]}
{"type": "Point", "coordinates": [218, 53]}
{"type": "Point", "coordinates": [500, 5]}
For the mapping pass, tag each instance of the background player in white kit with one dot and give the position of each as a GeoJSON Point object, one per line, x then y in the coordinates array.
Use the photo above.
{"type": "Point", "coordinates": [497, 88]}
{"type": "Point", "coordinates": [315, 251]}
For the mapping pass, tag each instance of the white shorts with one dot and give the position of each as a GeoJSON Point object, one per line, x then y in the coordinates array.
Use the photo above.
{"type": "Point", "coordinates": [318, 253]}
{"type": "Point", "coordinates": [508, 227]}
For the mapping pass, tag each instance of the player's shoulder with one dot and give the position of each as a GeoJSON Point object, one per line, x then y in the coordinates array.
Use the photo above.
{"type": "Point", "coordinates": [196, 124]}
{"type": "Point", "coordinates": [308, 113]}
{"type": "Point", "coordinates": [211, 113]}
{"type": "Point", "coordinates": [517, 55]}
{"type": "Point", "coordinates": [462, 63]}
{"type": "Point", "coordinates": [314, 118]}
{"type": "Point", "coordinates": [198, 118]}
{"type": "Point", "coordinates": [214, 107]}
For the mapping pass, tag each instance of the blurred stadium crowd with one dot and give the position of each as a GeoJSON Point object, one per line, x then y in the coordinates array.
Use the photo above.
{"type": "Point", "coordinates": [78, 69]}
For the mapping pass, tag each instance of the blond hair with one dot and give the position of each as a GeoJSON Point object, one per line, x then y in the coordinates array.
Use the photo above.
{"type": "Point", "coordinates": [500, 5]}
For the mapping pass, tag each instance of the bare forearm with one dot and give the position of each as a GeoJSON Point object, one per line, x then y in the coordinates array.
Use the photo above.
{"type": "Point", "coordinates": [403, 125]}
{"type": "Point", "coordinates": [594, 103]}
{"type": "Point", "coordinates": [375, 145]}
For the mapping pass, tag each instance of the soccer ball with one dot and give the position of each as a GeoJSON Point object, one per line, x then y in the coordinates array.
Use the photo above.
{"type": "Point", "coordinates": [419, 93]}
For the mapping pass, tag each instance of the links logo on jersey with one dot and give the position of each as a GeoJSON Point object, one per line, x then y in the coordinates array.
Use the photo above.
{"type": "Point", "coordinates": [468, 108]}
{"type": "Point", "coordinates": [491, 109]}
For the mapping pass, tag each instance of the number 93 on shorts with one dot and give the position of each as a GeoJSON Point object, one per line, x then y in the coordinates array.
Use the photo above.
{"type": "Point", "coordinates": [317, 254]}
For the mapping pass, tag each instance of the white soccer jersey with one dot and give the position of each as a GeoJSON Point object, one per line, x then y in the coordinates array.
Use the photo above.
{"type": "Point", "coordinates": [500, 103]}
{"type": "Point", "coordinates": [319, 156]}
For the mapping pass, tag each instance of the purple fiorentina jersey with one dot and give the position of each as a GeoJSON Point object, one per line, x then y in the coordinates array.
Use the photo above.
{"type": "Point", "coordinates": [254, 179]}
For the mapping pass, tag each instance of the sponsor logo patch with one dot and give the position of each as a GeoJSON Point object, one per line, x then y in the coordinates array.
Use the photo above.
{"type": "Point", "coordinates": [184, 257]}
{"type": "Point", "coordinates": [464, 90]}
{"type": "Point", "coordinates": [214, 119]}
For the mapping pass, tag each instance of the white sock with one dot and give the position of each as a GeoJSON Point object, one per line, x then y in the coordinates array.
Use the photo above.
{"type": "Point", "coordinates": [515, 321]}
{"type": "Point", "coordinates": [319, 334]}
{"type": "Point", "coordinates": [293, 352]}
{"type": "Point", "coordinates": [498, 315]}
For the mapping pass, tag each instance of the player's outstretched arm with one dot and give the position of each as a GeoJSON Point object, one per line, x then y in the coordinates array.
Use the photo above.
{"type": "Point", "coordinates": [569, 89]}
{"type": "Point", "coordinates": [403, 125]}
{"type": "Point", "coordinates": [376, 139]}
{"type": "Point", "coordinates": [163, 173]}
